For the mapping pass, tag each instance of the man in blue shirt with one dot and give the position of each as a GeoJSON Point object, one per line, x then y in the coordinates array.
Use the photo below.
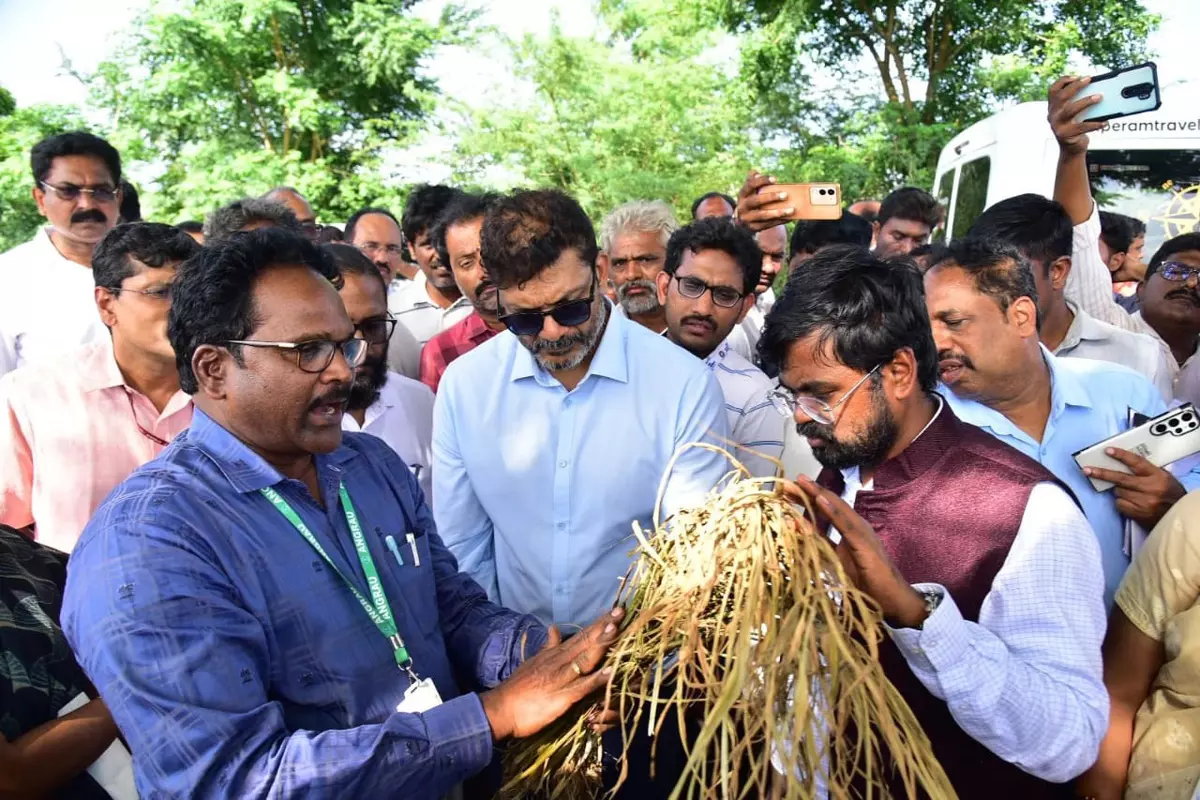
{"type": "Point", "coordinates": [982, 303]}
{"type": "Point", "coordinates": [551, 439]}
{"type": "Point", "coordinates": [267, 608]}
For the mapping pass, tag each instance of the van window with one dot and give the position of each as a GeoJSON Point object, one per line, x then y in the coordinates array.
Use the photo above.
{"type": "Point", "coordinates": [1159, 187]}
{"type": "Point", "coordinates": [972, 194]}
{"type": "Point", "coordinates": [945, 189]}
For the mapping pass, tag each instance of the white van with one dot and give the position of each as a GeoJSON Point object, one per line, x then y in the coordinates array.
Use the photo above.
{"type": "Point", "coordinates": [1146, 166]}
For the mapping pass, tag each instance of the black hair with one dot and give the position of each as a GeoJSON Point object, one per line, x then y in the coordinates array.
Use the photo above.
{"type": "Point", "coordinates": [931, 252]}
{"type": "Point", "coordinates": [329, 234]}
{"type": "Point", "coordinates": [349, 259]}
{"type": "Point", "coordinates": [352, 223]}
{"type": "Point", "coordinates": [1119, 232]}
{"type": "Point", "coordinates": [809, 236]}
{"type": "Point", "coordinates": [131, 206]}
{"type": "Point", "coordinates": [151, 243]}
{"type": "Point", "coordinates": [75, 143]}
{"type": "Point", "coordinates": [213, 298]}
{"type": "Point", "coordinates": [190, 226]}
{"type": "Point", "coordinates": [1037, 226]}
{"type": "Point", "coordinates": [998, 269]}
{"type": "Point", "coordinates": [525, 233]}
{"type": "Point", "coordinates": [910, 203]}
{"type": "Point", "coordinates": [717, 233]}
{"type": "Point", "coordinates": [868, 308]}
{"type": "Point", "coordinates": [228, 220]}
{"type": "Point", "coordinates": [421, 210]}
{"type": "Point", "coordinates": [463, 208]}
{"type": "Point", "coordinates": [696, 203]}
{"type": "Point", "coordinates": [1187, 241]}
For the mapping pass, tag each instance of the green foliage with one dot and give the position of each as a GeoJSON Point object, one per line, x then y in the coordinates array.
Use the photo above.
{"type": "Point", "coordinates": [632, 118]}
{"type": "Point", "coordinates": [20, 130]}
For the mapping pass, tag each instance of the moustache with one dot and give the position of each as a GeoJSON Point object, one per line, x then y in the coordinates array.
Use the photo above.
{"type": "Point", "coordinates": [639, 283]}
{"type": "Point", "coordinates": [709, 321]}
{"type": "Point", "coordinates": [815, 430]}
{"type": "Point", "coordinates": [558, 346]}
{"type": "Point", "coordinates": [1185, 292]}
{"type": "Point", "coordinates": [338, 394]}
{"type": "Point", "coordinates": [88, 215]}
{"type": "Point", "coordinates": [484, 286]}
{"type": "Point", "coordinates": [962, 358]}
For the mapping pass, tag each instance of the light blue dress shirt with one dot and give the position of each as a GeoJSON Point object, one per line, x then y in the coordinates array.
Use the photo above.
{"type": "Point", "coordinates": [537, 487]}
{"type": "Point", "coordinates": [1089, 402]}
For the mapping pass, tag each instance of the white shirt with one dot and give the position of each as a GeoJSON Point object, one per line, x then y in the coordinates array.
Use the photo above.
{"type": "Point", "coordinates": [1088, 337]}
{"type": "Point", "coordinates": [418, 319]}
{"type": "Point", "coordinates": [1026, 680]}
{"type": "Point", "coordinates": [1089, 284]}
{"type": "Point", "coordinates": [48, 306]}
{"type": "Point", "coordinates": [744, 337]}
{"type": "Point", "coordinates": [403, 417]}
{"type": "Point", "coordinates": [753, 421]}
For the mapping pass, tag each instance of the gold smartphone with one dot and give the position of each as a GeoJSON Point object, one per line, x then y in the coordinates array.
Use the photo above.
{"type": "Point", "coordinates": [808, 200]}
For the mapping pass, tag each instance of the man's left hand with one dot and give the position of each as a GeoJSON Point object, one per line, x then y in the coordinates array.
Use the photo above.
{"type": "Point", "coordinates": [1144, 496]}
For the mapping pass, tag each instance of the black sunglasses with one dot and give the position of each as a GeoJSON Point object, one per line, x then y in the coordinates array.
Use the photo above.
{"type": "Point", "coordinates": [568, 314]}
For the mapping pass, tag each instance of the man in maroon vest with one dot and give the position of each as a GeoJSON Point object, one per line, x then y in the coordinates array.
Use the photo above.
{"type": "Point", "coordinates": [986, 570]}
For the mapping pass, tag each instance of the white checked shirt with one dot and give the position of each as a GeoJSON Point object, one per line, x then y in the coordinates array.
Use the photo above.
{"type": "Point", "coordinates": [418, 319]}
{"type": "Point", "coordinates": [48, 307]}
{"type": "Point", "coordinates": [1026, 680]}
{"type": "Point", "coordinates": [403, 417]}
{"type": "Point", "coordinates": [753, 421]}
{"type": "Point", "coordinates": [1088, 337]}
{"type": "Point", "coordinates": [1089, 285]}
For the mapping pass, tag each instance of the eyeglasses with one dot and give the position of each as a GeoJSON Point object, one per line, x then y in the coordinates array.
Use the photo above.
{"type": "Point", "coordinates": [694, 288]}
{"type": "Point", "coordinates": [315, 356]}
{"type": "Point", "coordinates": [389, 249]}
{"type": "Point", "coordinates": [70, 192]}
{"type": "Point", "coordinates": [376, 331]}
{"type": "Point", "coordinates": [568, 314]}
{"type": "Point", "coordinates": [786, 402]}
{"type": "Point", "coordinates": [1177, 271]}
{"type": "Point", "coordinates": [159, 293]}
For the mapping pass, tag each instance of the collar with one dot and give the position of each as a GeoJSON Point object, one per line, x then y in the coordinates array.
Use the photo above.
{"type": "Point", "coordinates": [246, 470]}
{"type": "Point", "coordinates": [609, 361]}
{"type": "Point", "coordinates": [855, 473]}
{"type": "Point", "coordinates": [98, 368]}
{"type": "Point", "coordinates": [475, 329]}
{"type": "Point", "coordinates": [717, 356]}
{"type": "Point", "coordinates": [765, 301]}
{"type": "Point", "coordinates": [1084, 327]}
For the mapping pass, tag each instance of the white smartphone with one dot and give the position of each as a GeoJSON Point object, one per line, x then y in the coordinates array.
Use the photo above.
{"type": "Point", "coordinates": [1128, 91]}
{"type": "Point", "coordinates": [1162, 440]}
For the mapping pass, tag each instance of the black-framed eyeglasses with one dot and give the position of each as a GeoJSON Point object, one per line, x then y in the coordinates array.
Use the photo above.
{"type": "Point", "coordinates": [786, 402]}
{"type": "Point", "coordinates": [1177, 271]}
{"type": "Point", "coordinates": [315, 356]}
{"type": "Point", "coordinates": [378, 330]}
{"type": "Point", "coordinates": [568, 314]}
{"type": "Point", "coordinates": [694, 288]}
{"type": "Point", "coordinates": [70, 192]}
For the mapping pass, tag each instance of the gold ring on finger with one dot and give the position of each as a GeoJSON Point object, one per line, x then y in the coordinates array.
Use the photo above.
{"type": "Point", "coordinates": [578, 669]}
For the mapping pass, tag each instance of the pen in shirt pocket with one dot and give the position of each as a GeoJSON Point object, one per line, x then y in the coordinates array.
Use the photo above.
{"type": "Point", "coordinates": [391, 545]}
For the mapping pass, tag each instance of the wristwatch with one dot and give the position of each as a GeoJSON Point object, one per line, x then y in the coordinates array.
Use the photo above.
{"type": "Point", "coordinates": [933, 599]}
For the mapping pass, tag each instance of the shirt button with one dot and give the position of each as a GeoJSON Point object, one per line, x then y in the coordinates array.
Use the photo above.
{"type": "Point", "coordinates": [562, 464]}
{"type": "Point", "coordinates": [562, 526]}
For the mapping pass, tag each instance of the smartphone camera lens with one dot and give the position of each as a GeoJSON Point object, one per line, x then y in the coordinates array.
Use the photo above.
{"type": "Point", "coordinates": [1188, 417]}
{"type": "Point", "coordinates": [1173, 422]}
{"type": "Point", "coordinates": [1159, 429]}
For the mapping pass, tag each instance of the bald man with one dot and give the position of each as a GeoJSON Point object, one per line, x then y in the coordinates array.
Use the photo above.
{"type": "Point", "coordinates": [299, 206]}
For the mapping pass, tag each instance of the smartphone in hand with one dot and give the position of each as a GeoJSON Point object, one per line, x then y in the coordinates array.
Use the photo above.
{"type": "Point", "coordinates": [808, 200]}
{"type": "Point", "coordinates": [1128, 91]}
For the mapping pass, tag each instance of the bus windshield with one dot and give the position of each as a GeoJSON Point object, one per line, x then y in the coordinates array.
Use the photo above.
{"type": "Point", "coordinates": [1159, 187]}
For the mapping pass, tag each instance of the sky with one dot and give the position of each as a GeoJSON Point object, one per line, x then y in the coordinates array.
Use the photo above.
{"type": "Point", "coordinates": [36, 35]}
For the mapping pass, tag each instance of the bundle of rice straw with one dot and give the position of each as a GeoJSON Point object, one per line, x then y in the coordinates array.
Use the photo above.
{"type": "Point", "coordinates": [739, 616]}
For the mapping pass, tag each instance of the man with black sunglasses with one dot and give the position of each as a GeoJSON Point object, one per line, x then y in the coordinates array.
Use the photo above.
{"type": "Point", "coordinates": [397, 409]}
{"type": "Point", "coordinates": [76, 185]}
{"type": "Point", "coordinates": [74, 426]}
{"type": "Point", "coordinates": [551, 442]}
{"type": "Point", "coordinates": [706, 287]}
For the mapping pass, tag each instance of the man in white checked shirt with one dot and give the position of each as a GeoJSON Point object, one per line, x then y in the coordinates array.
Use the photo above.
{"type": "Point", "coordinates": [986, 571]}
{"type": "Point", "coordinates": [706, 288]}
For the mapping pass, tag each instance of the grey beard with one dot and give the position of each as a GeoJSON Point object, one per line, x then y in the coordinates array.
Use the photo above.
{"type": "Point", "coordinates": [588, 340]}
{"type": "Point", "coordinates": [639, 304]}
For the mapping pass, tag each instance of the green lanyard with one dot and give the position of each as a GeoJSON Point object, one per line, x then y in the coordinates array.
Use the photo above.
{"type": "Point", "coordinates": [377, 607]}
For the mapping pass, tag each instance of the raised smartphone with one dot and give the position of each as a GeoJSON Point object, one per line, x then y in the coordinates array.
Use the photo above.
{"type": "Point", "coordinates": [810, 200]}
{"type": "Point", "coordinates": [1162, 440]}
{"type": "Point", "coordinates": [1128, 91]}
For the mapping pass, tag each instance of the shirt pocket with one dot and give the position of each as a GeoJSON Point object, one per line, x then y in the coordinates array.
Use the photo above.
{"type": "Point", "coordinates": [417, 590]}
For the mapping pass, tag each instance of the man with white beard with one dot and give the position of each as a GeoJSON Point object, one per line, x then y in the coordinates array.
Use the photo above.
{"type": "Point", "coordinates": [633, 249]}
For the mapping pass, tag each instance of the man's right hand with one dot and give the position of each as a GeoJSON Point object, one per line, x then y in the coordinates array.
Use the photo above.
{"type": "Point", "coordinates": [755, 194]}
{"type": "Point", "coordinates": [547, 685]}
{"type": "Point", "coordinates": [1064, 108]}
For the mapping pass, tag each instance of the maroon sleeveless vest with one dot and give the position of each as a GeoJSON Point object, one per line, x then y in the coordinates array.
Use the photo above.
{"type": "Point", "coordinates": [947, 510]}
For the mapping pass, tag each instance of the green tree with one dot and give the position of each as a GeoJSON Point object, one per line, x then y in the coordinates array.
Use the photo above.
{"type": "Point", "coordinates": [20, 130]}
{"type": "Point", "coordinates": [230, 97]}
{"type": "Point", "coordinates": [610, 123]}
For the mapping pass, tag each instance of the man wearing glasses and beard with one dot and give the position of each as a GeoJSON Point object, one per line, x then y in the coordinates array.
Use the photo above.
{"type": "Point", "coordinates": [382, 403]}
{"type": "Point", "coordinates": [76, 185]}
{"type": "Point", "coordinates": [550, 442]}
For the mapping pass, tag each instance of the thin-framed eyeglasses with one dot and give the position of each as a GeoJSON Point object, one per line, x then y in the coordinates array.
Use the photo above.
{"type": "Point", "coordinates": [786, 402]}
{"type": "Point", "coordinates": [1177, 271]}
{"type": "Point", "coordinates": [315, 356]}
{"type": "Point", "coordinates": [389, 249]}
{"type": "Point", "coordinates": [378, 330]}
{"type": "Point", "coordinates": [70, 192]}
{"type": "Point", "coordinates": [694, 288]}
{"type": "Point", "coordinates": [567, 314]}
{"type": "Point", "coordinates": [158, 293]}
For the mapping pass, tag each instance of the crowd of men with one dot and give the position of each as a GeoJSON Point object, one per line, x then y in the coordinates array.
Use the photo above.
{"type": "Point", "coordinates": [347, 508]}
